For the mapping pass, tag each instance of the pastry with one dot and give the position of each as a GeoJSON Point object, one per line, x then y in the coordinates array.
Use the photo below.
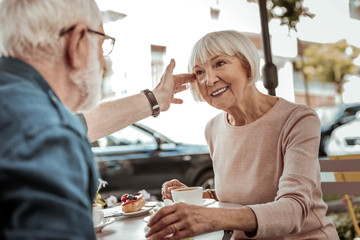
{"type": "Point", "coordinates": [132, 203]}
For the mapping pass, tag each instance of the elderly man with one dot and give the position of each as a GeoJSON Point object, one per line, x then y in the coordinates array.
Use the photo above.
{"type": "Point", "coordinates": [51, 67]}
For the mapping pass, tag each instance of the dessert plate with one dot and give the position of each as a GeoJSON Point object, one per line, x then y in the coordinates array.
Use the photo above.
{"type": "Point", "coordinates": [142, 211]}
{"type": "Point", "coordinates": [118, 212]}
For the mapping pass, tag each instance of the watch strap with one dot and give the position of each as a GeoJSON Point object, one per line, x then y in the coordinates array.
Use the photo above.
{"type": "Point", "coordinates": [153, 103]}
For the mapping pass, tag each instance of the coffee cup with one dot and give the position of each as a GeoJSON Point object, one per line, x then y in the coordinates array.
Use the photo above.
{"type": "Point", "coordinates": [190, 195]}
{"type": "Point", "coordinates": [98, 215]}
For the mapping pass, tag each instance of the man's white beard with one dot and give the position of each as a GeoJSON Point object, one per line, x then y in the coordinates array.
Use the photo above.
{"type": "Point", "coordinates": [88, 80]}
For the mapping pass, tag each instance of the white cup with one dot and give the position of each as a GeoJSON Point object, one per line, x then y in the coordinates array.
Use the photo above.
{"type": "Point", "coordinates": [191, 195]}
{"type": "Point", "coordinates": [98, 216]}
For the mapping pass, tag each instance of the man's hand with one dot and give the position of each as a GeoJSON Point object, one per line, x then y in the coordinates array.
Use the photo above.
{"type": "Point", "coordinates": [169, 85]}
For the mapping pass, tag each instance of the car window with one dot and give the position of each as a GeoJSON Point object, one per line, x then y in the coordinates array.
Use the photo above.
{"type": "Point", "coordinates": [327, 115]}
{"type": "Point", "coordinates": [129, 136]}
{"type": "Point", "coordinates": [349, 114]}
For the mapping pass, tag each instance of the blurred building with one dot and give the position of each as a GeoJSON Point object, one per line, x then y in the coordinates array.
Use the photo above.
{"type": "Point", "coordinates": [313, 94]}
{"type": "Point", "coordinates": [354, 9]}
{"type": "Point", "coordinates": [150, 32]}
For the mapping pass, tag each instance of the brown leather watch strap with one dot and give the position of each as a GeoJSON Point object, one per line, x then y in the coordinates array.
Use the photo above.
{"type": "Point", "coordinates": [152, 100]}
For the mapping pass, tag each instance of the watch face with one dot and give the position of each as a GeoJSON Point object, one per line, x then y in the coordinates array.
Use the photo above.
{"type": "Point", "coordinates": [156, 110]}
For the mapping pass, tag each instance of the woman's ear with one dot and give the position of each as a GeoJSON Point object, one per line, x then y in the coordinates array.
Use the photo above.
{"type": "Point", "coordinates": [78, 47]}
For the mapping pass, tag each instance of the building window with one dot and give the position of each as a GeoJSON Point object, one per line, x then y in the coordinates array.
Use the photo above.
{"type": "Point", "coordinates": [214, 9]}
{"type": "Point", "coordinates": [157, 63]}
{"type": "Point", "coordinates": [354, 7]}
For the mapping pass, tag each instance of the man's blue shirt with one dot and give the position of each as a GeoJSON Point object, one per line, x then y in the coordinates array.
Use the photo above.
{"type": "Point", "coordinates": [48, 176]}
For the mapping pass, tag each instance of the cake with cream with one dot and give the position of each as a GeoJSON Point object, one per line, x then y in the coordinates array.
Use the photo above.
{"type": "Point", "coordinates": [132, 203]}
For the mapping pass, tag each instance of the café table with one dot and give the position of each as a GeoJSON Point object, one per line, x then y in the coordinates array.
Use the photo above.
{"type": "Point", "coordinates": [125, 228]}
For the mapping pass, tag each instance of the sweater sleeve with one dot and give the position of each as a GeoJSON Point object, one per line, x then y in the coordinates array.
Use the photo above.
{"type": "Point", "coordinates": [300, 178]}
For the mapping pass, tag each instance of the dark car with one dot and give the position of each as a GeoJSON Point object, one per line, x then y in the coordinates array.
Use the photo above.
{"type": "Point", "coordinates": [138, 157]}
{"type": "Point", "coordinates": [332, 117]}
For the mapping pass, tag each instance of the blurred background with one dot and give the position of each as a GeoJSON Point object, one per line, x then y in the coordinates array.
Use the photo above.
{"type": "Point", "coordinates": [315, 47]}
{"type": "Point", "coordinates": [149, 33]}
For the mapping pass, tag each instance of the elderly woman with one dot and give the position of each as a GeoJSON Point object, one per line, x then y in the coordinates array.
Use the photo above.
{"type": "Point", "coordinates": [264, 151]}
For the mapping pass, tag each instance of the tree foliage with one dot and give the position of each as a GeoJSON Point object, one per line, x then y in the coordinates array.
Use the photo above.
{"type": "Point", "coordinates": [287, 11]}
{"type": "Point", "coordinates": [329, 63]}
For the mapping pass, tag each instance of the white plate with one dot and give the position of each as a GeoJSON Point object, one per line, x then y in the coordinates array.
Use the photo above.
{"type": "Point", "coordinates": [118, 212]}
{"type": "Point", "coordinates": [104, 223]}
{"type": "Point", "coordinates": [142, 211]}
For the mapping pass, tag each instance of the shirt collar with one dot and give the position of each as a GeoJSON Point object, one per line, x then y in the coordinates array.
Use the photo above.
{"type": "Point", "coordinates": [24, 70]}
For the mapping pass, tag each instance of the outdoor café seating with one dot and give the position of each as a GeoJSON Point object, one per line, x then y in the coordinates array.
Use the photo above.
{"type": "Point", "coordinates": [346, 169]}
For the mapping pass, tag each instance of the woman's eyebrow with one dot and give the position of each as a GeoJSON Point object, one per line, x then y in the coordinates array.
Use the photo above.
{"type": "Point", "coordinates": [217, 56]}
{"type": "Point", "coordinates": [213, 58]}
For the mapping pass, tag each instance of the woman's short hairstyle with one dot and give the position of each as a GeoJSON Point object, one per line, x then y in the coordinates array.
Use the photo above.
{"type": "Point", "coordinates": [230, 43]}
{"type": "Point", "coordinates": [31, 28]}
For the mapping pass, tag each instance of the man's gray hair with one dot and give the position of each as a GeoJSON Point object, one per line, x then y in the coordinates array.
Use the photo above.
{"type": "Point", "coordinates": [31, 28]}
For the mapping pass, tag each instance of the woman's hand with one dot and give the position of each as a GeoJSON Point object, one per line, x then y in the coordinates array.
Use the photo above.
{"type": "Point", "coordinates": [170, 185]}
{"type": "Point", "coordinates": [182, 220]}
{"type": "Point", "coordinates": [169, 85]}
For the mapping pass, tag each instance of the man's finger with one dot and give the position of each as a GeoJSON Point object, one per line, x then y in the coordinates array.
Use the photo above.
{"type": "Point", "coordinates": [180, 88]}
{"type": "Point", "coordinates": [177, 101]}
{"type": "Point", "coordinates": [184, 78]}
{"type": "Point", "coordinates": [170, 67]}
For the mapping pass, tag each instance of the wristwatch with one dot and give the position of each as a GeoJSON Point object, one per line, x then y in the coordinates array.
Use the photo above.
{"type": "Point", "coordinates": [152, 100]}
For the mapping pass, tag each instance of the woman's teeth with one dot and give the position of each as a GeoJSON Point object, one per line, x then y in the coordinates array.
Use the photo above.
{"type": "Point", "coordinates": [219, 91]}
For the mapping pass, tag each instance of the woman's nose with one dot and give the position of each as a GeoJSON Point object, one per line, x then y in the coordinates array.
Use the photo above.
{"type": "Point", "coordinates": [211, 78]}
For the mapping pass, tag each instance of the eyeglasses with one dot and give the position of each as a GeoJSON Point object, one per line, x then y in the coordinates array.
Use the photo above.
{"type": "Point", "coordinates": [108, 44]}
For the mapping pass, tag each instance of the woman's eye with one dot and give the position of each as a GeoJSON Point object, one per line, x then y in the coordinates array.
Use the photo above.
{"type": "Point", "coordinates": [199, 72]}
{"type": "Point", "coordinates": [220, 64]}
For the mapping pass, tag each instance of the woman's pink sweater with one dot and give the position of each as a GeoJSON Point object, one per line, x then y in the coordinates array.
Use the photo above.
{"type": "Point", "coordinates": [271, 165]}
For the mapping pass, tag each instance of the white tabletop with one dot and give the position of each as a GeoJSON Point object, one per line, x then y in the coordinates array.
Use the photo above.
{"type": "Point", "coordinates": [126, 227]}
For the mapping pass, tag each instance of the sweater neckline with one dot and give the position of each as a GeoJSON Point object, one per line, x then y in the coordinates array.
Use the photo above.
{"type": "Point", "coordinates": [257, 121]}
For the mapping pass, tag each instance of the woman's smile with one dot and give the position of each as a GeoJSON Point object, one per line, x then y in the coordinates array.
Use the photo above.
{"type": "Point", "coordinates": [219, 92]}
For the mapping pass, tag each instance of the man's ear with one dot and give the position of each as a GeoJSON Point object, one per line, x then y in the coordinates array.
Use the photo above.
{"type": "Point", "coordinates": [78, 47]}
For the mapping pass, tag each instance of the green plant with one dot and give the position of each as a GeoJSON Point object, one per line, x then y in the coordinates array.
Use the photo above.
{"type": "Point", "coordinates": [344, 225]}
{"type": "Point", "coordinates": [331, 197]}
{"type": "Point", "coordinates": [330, 63]}
{"type": "Point", "coordinates": [287, 11]}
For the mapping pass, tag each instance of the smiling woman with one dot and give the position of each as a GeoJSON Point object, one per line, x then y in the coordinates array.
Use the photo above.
{"type": "Point", "coordinates": [264, 151]}
{"type": "Point", "coordinates": [223, 47]}
{"type": "Point", "coordinates": [210, 83]}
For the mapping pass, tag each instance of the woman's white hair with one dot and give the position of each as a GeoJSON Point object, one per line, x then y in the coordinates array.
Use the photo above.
{"type": "Point", "coordinates": [31, 28]}
{"type": "Point", "coordinates": [230, 43]}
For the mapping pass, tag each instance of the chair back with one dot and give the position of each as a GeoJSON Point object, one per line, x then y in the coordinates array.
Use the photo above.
{"type": "Point", "coordinates": [346, 169]}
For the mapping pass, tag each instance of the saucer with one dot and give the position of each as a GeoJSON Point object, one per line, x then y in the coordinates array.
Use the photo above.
{"type": "Point", "coordinates": [105, 222]}
{"type": "Point", "coordinates": [207, 201]}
